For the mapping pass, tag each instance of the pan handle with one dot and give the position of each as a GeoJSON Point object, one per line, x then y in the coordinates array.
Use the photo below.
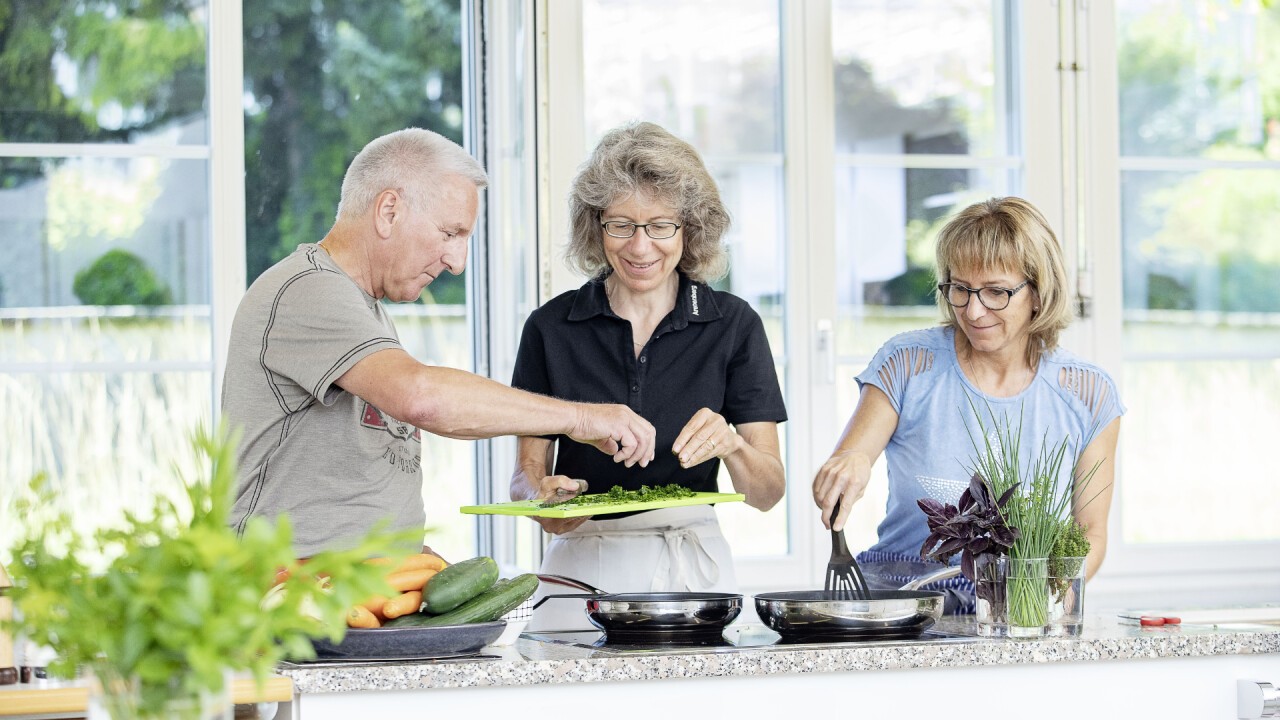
{"type": "Point", "coordinates": [575, 596]}
{"type": "Point", "coordinates": [943, 574]}
{"type": "Point", "coordinates": [570, 582]}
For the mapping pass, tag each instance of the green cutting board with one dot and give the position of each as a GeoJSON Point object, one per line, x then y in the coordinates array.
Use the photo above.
{"type": "Point", "coordinates": [531, 507]}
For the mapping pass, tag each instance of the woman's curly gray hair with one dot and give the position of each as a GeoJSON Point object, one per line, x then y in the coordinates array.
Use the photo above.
{"type": "Point", "coordinates": [643, 157]}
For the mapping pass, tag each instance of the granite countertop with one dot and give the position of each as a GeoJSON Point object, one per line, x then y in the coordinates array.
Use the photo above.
{"type": "Point", "coordinates": [534, 662]}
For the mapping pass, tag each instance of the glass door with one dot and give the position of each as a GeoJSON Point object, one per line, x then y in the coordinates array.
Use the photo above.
{"type": "Point", "coordinates": [928, 118]}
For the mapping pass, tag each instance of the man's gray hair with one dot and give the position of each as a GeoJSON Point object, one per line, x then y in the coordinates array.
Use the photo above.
{"type": "Point", "coordinates": [412, 162]}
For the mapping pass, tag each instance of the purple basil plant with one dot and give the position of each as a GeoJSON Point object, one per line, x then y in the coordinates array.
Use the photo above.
{"type": "Point", "coordinates": [972, 527]}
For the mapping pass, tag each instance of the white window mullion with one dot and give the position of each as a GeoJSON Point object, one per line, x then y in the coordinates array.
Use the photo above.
{"type": "Point", "coordinates": [226, 177]}
{"type": "Point", "coordinates": [809, 141]}
{"type": "Point", "coordinates": [563, 144]}
{"type": "Point", "coordinates": [510, 249]}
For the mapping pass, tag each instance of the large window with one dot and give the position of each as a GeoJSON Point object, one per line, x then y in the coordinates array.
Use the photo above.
{"type": "Point", "coordinates": [105, 250]}
{"type": "Point", "coordinates": [894, 114]}
{"type": "Point", "coordinates": [842, 134]}
{"type": "Point", "coordinates": [1199, 108]}
{"type": "Point", "coordinates": [725, 99]}
{"type": "Point", "coordinates": [113, 293]}
{"type": "Point", "coordinates": [926, 122]}
{"type": "Point", "coordinates": [321, 80]}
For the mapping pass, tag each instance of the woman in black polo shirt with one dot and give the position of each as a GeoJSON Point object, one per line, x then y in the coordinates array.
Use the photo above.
{"type": "Point", "coordinates": [648, 332]}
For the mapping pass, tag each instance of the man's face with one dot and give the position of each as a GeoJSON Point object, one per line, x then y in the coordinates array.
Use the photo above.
{"type": "Point", "coordinates": [427, 241]}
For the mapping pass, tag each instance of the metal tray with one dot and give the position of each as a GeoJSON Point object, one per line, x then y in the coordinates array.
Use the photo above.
{"type": "Point", "coordinates": [409, 643]}
{"type": "Point", "coordinates": [531, 507]}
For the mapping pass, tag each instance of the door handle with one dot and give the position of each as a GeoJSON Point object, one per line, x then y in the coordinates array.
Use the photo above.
{"type": "Point", "coordinates": [1257, 699]}
{"type": "Point", "coordinates": [825, 338]}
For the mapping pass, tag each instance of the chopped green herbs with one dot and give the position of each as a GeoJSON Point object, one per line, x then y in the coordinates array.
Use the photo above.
{"type": "Point", "coordinates": [620, 496]}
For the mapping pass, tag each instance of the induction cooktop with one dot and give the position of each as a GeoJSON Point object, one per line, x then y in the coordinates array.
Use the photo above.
{"type": "Point", "coordinates": [733, 638]}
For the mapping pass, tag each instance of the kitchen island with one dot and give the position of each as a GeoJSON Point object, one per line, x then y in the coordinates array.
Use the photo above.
{"type": "Point", "coordinates": [1111, 670]}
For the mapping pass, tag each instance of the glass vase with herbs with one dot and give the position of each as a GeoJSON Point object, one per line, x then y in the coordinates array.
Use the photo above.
{"type": "Point", "coordinates": [1067, 564]}
{"type": "Point", "coordinates": [162, 608]}
{"type": "Point", "coordinates": [1041, 505]}
{"type": "Point", "coordinates": [975, 528]}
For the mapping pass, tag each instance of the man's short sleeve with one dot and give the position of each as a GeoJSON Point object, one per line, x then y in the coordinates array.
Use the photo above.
{"type": "Point", "coordinates": [320, 326]}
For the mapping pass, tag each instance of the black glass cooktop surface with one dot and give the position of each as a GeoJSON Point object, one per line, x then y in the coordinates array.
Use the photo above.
{"type": "Point", "coordinates": [733, 638]}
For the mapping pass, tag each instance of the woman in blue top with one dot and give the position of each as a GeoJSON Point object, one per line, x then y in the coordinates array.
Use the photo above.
{"type": "Point", "coordinates": [1004, 297]}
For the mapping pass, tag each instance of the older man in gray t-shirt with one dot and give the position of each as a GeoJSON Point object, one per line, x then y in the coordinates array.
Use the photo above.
{"type": "Point", "coordinates": [330, 404]}
{"type": "Point", "coordinates": [333, 462]}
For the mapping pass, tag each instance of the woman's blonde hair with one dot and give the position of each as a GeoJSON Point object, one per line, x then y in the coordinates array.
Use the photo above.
{"type": "Point", "coordinates": [644, 158]}
{"type": "Point", "coordinates": [1010, 234]}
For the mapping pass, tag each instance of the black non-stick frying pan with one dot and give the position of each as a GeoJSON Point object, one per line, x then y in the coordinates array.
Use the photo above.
{"type": "Point", "coordinates": [887, 613]}
{"type": "Point", "coordinates": [651, 615]}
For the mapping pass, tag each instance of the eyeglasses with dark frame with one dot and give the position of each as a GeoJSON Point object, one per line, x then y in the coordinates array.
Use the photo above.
{"type": "Point", "coordinates": [992, 298]}
{"type": "Point", "coordinates": [655, 230]}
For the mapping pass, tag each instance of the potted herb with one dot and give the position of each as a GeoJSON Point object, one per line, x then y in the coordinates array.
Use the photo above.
{"type": "Point", "coordinates": [1066, 579]}
{"type": "Point", "coordinates": [164, 606]}
{"type": "Point", "coordinates": [1040, 504]}
{"type": "Point", "coordinates": [976, 529]}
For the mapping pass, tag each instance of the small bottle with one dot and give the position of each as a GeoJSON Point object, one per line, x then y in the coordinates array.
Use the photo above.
{"type": "Point", "coordinates": [35, 659]}
{"type": "Point", "coordinates": [8, 668]}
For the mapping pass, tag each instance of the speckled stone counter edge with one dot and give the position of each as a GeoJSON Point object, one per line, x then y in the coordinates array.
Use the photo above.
{"type": "Point", "coordinates": [531, 662]}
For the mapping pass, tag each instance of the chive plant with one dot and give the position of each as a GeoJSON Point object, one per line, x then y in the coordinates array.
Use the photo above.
{"type": "Point", "coordinates": [1041, 501]}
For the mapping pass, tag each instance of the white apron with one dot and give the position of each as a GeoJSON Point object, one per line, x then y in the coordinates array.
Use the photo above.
{"type": "Point", "coordinates": [669, 550]}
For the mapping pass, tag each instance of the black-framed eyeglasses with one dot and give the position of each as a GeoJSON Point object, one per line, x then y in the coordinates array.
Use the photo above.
{"type": "Point", "coordinates": [655, 230]}
{"type": "Point", "coordinates": [992, 298]}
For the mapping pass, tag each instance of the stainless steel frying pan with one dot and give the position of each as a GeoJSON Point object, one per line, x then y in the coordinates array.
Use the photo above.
{"type": "Point", "coordinates": [888, 613]}
{"type": "Point", "coordinates": [651, 615]}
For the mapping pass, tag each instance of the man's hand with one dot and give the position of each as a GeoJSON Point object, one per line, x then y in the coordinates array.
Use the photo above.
{"type": "Point", "coordinates": [615, 430]}
{"type": "Point", "coordinates": [560, 487]}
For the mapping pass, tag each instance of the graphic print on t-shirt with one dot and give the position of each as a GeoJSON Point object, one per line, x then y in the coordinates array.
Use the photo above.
{"type": "Point", "coordinates": [378, 420]}
{"type": "Point", "coordinates": [404, 457]}
{"type": "Point", "coordinates": [946, 490]}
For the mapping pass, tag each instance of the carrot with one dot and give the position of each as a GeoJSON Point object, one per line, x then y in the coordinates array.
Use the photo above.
{"type": "Point", "coordinates": [422, 561]}
{"type": "Point", "coordinates": [375, 605]}
{"type": "Point", "coordinates": [410, 579]}
{"type": "Point", "coordinates": [405, 604]}
{"type": "Point", "coordinates": [417, 561]}
{"type": "Point", "coordinates": [360, 617]}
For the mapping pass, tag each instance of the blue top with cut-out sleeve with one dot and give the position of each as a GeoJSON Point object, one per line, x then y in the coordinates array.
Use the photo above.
{"type": "Point", "coordinates": [931, 452]}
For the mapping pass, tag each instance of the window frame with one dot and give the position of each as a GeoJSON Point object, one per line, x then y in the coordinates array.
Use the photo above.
{"type": "Point", "coordinates": [1066, 75]}
{"type": "Point", "coordinates": [1070, 133]}
{"type": "Point", "coordinates": [226, 179]}
{"type": "Point", "coordinates": [1145, 574]}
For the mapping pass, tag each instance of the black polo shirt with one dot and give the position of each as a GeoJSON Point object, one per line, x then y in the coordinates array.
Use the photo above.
{"type": "Point", "coordinates": [710, 351]}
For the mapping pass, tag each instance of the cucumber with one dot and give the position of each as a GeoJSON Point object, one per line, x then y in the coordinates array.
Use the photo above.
{"type": "Point", "coordinates": [502, 598]}
{"type": "Point", "coordinates": [458, 583]}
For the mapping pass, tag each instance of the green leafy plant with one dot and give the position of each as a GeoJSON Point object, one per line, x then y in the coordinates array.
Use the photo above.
{"type": "Point", "coordinates": [1067, 556]}
{"type": "Point", "coordinates": [120, 278]}
{"type": "Point", "coordinates": [1039, 508]}
{"type": "Point", "coordinates": [973, 527]}
{"type": "Point", "coordinates": [179, 597]}
{"type": "Point", "coordinates": [618, 495]}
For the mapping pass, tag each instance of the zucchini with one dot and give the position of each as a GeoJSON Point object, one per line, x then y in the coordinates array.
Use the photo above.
{"type": "Point", "coordinates": [502, 598]}
{"type": "Point", "coordinates": [458, 583]}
